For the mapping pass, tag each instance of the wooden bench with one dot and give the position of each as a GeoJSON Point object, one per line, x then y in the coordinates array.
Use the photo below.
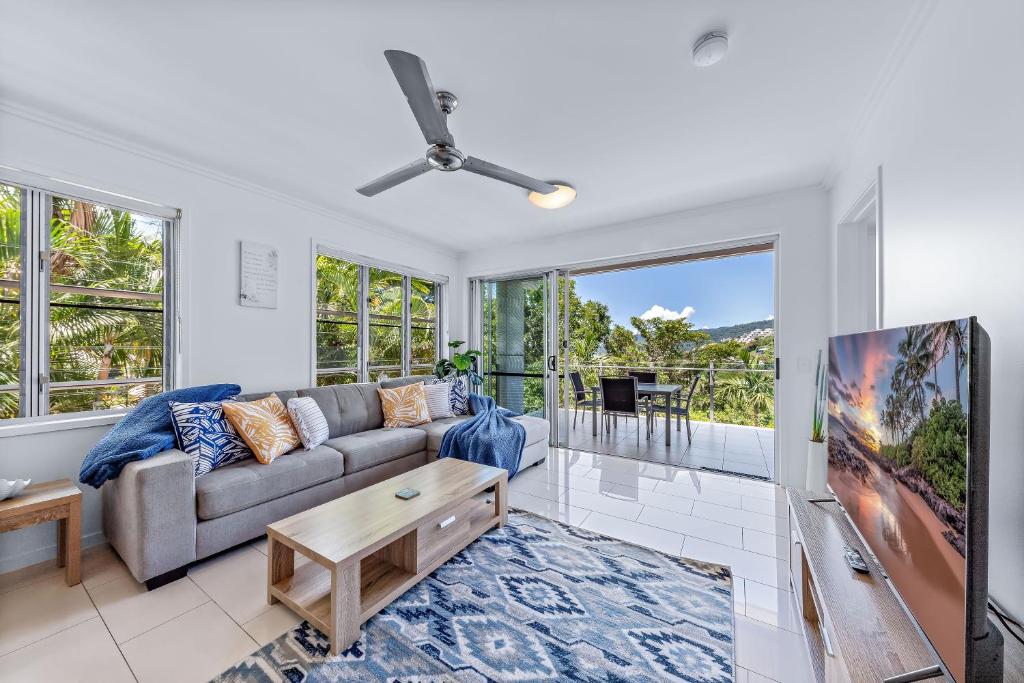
{"type": "Point", "coordinates": [51, 501]}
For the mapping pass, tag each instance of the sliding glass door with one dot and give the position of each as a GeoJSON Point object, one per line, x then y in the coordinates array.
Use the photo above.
{"type": "Point", "coordinates": [514, 343]}
{"type": "Point", "coordinates": [519, 323]}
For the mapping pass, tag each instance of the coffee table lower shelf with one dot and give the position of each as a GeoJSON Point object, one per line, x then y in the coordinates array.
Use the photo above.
{"type": "Point", "coordinates": [310, 590]}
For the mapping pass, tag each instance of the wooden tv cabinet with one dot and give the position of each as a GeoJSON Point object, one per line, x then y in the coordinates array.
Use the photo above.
{"type": "Point", "coordinates": [853, 624]}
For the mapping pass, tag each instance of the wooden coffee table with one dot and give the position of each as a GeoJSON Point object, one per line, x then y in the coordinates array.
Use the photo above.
{"type": "Point", "coordinates": [369, 547]}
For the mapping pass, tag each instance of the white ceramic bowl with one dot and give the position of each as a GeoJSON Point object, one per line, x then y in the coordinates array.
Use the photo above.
{"type": "Point", "coordinates": [9, 489]}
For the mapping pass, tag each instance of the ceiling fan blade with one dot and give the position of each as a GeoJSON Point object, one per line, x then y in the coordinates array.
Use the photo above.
{"type": "Point", "coordinates": [486, 168]}
{"type": "Point", "coordinates": [414, 80]}
{"type": "Point", "coordinates": [396, 177]}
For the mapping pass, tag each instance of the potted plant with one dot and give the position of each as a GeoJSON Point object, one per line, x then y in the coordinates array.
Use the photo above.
{"type": "Point", "coordinates": [817, 451]}
{"type": "Point", "coordinates": [461, 364]}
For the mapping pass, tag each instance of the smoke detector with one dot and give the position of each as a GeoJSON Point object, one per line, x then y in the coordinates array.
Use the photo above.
{"type": "Point", "coordinates": [710, 48]}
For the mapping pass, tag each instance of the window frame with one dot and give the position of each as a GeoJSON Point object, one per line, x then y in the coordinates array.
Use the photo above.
{"type": "Point", "coordinates": [363, 368]}
{"type": "Point", "coordinates": [439, 347]}
{"type": "Point", "coordinates": [37, 193]}
{"type": "Point", "coordinates": [382, 323]}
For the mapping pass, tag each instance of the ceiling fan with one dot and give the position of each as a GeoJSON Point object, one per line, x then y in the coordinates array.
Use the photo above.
{"type": "Point", "coordinates": [431, 109]}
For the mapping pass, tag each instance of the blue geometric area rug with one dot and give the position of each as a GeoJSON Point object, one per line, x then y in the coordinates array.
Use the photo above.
{"type": "Point", "coordinates": [534, 601]}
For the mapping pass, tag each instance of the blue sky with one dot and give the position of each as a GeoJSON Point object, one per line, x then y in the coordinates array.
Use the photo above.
{"type": "Point", "coordinates": [722, 291]}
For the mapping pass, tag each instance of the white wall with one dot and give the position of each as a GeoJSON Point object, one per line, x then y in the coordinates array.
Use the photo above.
{"type": "Point", "coordinates": [949, 134]}
{"type": "Point", "coordinates": [221, 341]}
{"type": "Point", "coordinates": [800, 219]}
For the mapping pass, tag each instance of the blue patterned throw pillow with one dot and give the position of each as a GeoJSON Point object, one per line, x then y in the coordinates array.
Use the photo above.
{"type": "Point", "coordinates": [459, 395]}
{"type": "Point", "coordinates": [204, 433]}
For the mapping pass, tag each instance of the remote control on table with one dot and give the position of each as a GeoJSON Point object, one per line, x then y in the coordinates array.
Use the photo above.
{"type": "Point", "coordinates": [856, 561]}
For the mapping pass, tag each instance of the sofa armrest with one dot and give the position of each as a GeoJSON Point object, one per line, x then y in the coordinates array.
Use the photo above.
{"type": "Point", "coordinates": [149, 514]}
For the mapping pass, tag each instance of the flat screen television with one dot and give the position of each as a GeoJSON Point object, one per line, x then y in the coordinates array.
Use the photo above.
{"type": "Point", "coordinates": [908, 439]}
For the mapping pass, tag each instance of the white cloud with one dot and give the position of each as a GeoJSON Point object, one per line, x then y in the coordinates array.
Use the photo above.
{"type": "Point", "coordinates": [770, 317]}
{"type": "Point", "coordinates": [657, 311]}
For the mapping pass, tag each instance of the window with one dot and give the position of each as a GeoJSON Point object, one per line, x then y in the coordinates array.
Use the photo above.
{"type": "Point", "coordinates": [423, 342]}
{"type": "Point", "coordinates": [373, 320]}
{"type": "Point", "coordinates": [10, 304]}
{"type": "Point", "coordinates": [385, 299]}
{"type": "Point", "coordinates": [337, 321]}
{"type": "Point", "coordinates": [84, 304]}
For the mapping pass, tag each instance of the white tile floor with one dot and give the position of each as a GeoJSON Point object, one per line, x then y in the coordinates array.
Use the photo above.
{"type": "Point", "coordinates": [110, 629]}
{"type": "Point", "coordinates": [735, 449]}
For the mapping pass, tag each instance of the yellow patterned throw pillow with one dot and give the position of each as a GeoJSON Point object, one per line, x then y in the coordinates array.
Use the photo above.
{"type": "Point", "coordinates": [404, 406]}
{"type": "Point", "coordinates": [264, 425]}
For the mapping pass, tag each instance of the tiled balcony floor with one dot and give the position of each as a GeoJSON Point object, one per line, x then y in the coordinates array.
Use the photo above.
{"type": "Point", "coordinates": [749, 451]}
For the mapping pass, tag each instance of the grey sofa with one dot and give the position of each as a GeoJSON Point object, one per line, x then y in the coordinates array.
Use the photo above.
{"type": "Point", "coordinates": [160, 518]}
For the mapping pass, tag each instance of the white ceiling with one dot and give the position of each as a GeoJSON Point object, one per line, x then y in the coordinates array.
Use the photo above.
{"type": "Point", "coordinates": [298, 97]}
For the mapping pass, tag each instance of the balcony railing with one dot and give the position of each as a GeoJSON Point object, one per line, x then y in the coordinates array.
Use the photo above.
{"type": "Point", "coordinates": [677, 374]}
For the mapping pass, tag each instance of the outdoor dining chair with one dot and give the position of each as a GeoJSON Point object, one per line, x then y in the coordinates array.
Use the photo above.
{"type": "Point", "coordinates": [684, 408]}
{"type": "Point", "coordinates": [619, 397]}
{"type": "Point", "coordinates": [580, 392]}
{"type": "Point", "coordinates": [645, 377]}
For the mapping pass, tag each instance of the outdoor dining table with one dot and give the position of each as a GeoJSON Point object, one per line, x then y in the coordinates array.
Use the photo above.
{"type": "Point", "coordinates": [669, 391]}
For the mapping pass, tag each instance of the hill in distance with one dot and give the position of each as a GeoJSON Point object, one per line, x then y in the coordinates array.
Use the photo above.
{"type": "Point", "coordinates": [738, 330]}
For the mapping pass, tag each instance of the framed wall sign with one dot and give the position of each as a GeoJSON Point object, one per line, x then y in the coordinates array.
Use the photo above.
{"type": "Point", "coordinates": [257, 275]}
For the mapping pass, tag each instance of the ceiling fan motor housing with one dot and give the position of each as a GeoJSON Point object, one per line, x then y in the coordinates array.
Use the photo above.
{"type": "Point", "coordinates": [445, 158]}
{"type": "Point", "coordinates": [447, 101]}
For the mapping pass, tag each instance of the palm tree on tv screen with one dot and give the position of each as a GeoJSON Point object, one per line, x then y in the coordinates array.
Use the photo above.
{"type": "Point", "coordinates": [950, 338]}
{"type": "Point", "coordinates": [929, 437]}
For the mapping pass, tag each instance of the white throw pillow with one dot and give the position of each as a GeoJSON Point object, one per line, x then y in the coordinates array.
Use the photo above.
{"type": "Point", "coordinates": [438, 400]}
{"type": "Point", "coordinates": [309, 421]}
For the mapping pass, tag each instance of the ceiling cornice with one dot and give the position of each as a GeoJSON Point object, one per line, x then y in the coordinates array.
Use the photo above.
{"type": "Point", "coordinates": [645, 222]}
{"type": "Point", "coordinates": [905, 41]}
{"type": "Point", "coordinates": [339, 214]}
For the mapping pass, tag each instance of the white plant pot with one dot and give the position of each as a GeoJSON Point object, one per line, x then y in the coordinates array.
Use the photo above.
{"type": "Point", "coordinates": [817, 467]}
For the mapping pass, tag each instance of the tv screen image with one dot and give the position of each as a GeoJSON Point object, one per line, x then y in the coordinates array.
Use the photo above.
{"type": "Point", "coordinates": [898, 416]}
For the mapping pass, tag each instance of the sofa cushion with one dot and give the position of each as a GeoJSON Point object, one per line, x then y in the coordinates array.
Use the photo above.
{"type": "Point", "coordinates": [205, 434]}
{"type": "Point", "coordinates": [404, 406]}
{"type": "Point", "coordinates": [265, 426]}
{"type": "Point", "coordinates": [458, 395]}
{"type": "Point", "coordinates": [405, 381]}
{"type": "Point", "coordinates": [327, 400]}
{"type": "Point", "coordinates": [309, 421]}
{"type": "Point", "coordinates": [537, 429]}
{"type": "Point", "coordinates": [376, 446]}
{"type": "Point", "coordinates": [349, 408]}
{"type": "Point", "coordinates": [439, 400]}
{"type": "Point", "coordinates": [242, 485]}
{"type": "Point", "coordinates": [284, 395]}
{"type": "Point", "coordinates": [435, 430]}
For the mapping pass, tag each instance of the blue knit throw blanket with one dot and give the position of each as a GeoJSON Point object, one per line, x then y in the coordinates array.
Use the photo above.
{"type": "Point", "coordinates": [490, 437]}
{"type": "Point", "coordinates": [144, 432]}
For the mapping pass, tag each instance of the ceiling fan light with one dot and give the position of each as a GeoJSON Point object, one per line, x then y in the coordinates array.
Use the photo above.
{"type": "Point", "coordinates": [563, 196]}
